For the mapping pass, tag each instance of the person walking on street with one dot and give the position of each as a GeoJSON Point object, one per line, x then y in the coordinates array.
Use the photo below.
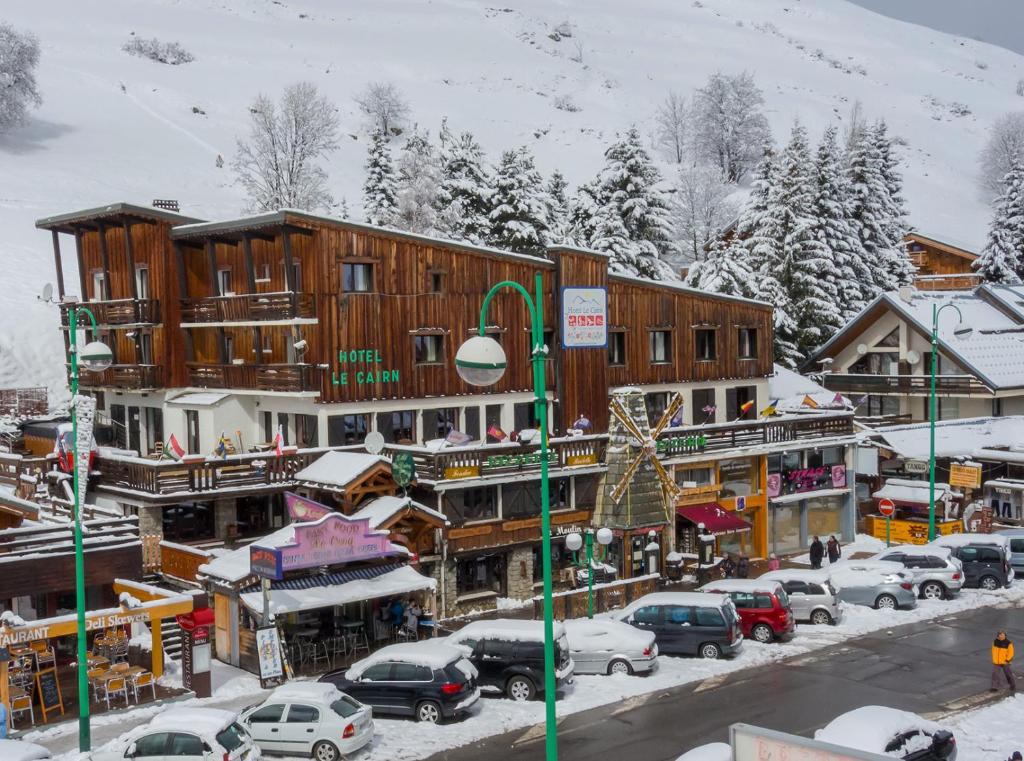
{"type": "Point", "coordinates": [817, 552]}
{"type": "Point", "coordinates": [1002, 662]}
{"type": "Point", "coordinates": [728, 567]}
{"type": "Point", "coordinates": [835, 551]}
{"type": "Point", "coordinates": [773, 562]}
{"type": "Point", "coordinates": [743, 566]}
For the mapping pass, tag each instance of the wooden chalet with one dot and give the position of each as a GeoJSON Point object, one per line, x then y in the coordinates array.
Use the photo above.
{"type": "Point", "coordinates": [941, 265]}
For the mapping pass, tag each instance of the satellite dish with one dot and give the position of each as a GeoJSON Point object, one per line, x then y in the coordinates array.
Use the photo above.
{"type": "Point", "coordinates": [47, 292]}
{"type": "Point", "coordinates": [374, 442]}
{"type": "Point", "coordinates": [862, 349]}
{"type": "Point", "coordinates": [913, 357]}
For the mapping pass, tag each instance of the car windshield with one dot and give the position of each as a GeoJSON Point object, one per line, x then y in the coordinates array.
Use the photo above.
{"type": "Point", "coordinates": [782, 597]}
{"type": "Point", "coordinates": [232, 737]}
{"type": "Point", "coordinates": [345, 706]}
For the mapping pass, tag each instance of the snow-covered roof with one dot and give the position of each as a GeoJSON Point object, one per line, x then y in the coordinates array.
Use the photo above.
{"type": "Point", "coordinates": [434, 654]}
{"type": "Point", "coordinates": [678, 286]}
{"type": "Point", "coordinates": [919, 492]}
{"type": "Point", "coordinates": [792, 391]}
{"type": "Point", "coordinates": [118, 209]}
{"type": "Point", "coordinates": [198, 398]}
{"type": "Point", "coordinates": [505, 629]}
{"type": "Point", "coordinates": [845, 576]}
{"type": "Point", "coordinates": [381, 509]}
{"type": "Point", "coordinates": [339, 469]}
{"type": "Point", "coordinates": [954, 438]}
{"type": "Point", "coordinates": [20, 750]}
{"type": "Point", "coordinates": [234, 565]}
{"type": "Point", "coordinates": [872, 728]}
{"type": "Point", "coordinates": [762, 585]}
{"type": "Point", "coordinates": [605, 635]}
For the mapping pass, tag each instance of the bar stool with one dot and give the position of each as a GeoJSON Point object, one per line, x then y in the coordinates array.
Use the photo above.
{"type": "Point", "coordinates": [320, 653]}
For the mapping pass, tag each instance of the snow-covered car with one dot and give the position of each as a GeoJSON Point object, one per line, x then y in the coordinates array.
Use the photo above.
{"type": "Point", "coordinates": [19, 750]}
{"type": "Point", "coordinates": [709, 752]}
{"type": "Point", "coordinates": [604, 646]}
{"type": "Point", "coordinates": [186, 734]}
{"type": "Point", "coordinates": [935, 572]}
{"type": "Point", "coordinates": [313, 719]}
{"type": "Point", "coordinates": [875, 583]}
{"type": "Point", "coordinates": [890, 732]}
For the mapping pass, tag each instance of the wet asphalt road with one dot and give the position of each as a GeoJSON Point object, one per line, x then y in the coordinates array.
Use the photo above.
{"type": "Point", "coordinates": [932, 668]}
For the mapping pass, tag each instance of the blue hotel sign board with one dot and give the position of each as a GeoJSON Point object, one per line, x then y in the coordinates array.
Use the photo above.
{"type": "Point", "coordinates": [584, 317]}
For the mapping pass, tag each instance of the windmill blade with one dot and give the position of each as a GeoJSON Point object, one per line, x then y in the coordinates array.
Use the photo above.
{"type": "Point", "coordinates": [627, 422]}
{"type": "Point", "coordinates": [627, 477]}
{"type": "Point", "coordinates": [666, 418]}
{"type": "Point", "coordinates": [667, 483]}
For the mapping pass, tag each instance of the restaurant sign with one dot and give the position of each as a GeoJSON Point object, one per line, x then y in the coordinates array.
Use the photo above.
{"type": "Point", "coordinates": [807, 480]}
{"type": "Point", "coordinates": [965, 475]}
{"type": "Point", "coordinates": [330, 540]}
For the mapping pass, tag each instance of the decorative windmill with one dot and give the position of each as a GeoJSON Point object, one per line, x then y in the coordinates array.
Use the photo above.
{"type": "Point", "coordinates": [638, 491]}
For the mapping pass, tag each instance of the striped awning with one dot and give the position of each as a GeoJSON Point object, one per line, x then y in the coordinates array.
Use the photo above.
{"type": "Point", "coordinates": [330, 579]}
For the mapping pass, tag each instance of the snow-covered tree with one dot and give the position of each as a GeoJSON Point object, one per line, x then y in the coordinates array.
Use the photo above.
{"type": "Point", "coordinates": [557, 206]}
{"type": "Point", "coordinates": [464, 197]}
{"type": "Point", "coordinates": [385, 108]}
{"type": "Point", "coordinates": [379, 189]}
{"type": "Point", "coordinates": [671, 124]}
{"type": "Point", "coordinates": [278, 165]}
{"type": "Point", "coordinates": [701, 208]}
{"type": "Point", "coordinates": [724, 269]}
{"type": "Point", "coordinates": [1002, 259]}
{"type": "Point", "coordinates": [419, 180]}
{"type": "Point", "coordinates": [895, 258]}
{"type": "Point", "coordinates": [1004, 145]}
{"type": "Point", "coordinates": [19, 57]}
{"type": "Point", "coordinates": [760, 188]}
{"type": "Point", "coordinates": [517, 217]}
{"type": "Point", "coordinates": [729, 128]}
{"type": "Point", "coordinates": [583, 211]}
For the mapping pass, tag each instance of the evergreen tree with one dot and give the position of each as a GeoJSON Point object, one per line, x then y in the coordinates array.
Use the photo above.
{"type": "Point", "coordinates": [379, 190]}
{"type": "Point", "coordinates": [1002, 259]}
{"type": "Point", "coordinates": [583, 214]}
{"type": "Point", "coordinates": [419, 179]}
{"type": "Point", "coordinates": [725, 269]}
{"type": "Point", "coordinates": [611, 237]}
{"type": "Point", "coordinates": [557, 208]}
{"type": "Point", "coordinates": [895, 259]}
{"type": "Point", "coordinates": [464, 197]}
{"type": "Point", "coordinates": [517, 206]}
{"type": "Point", "coordinates": [760, 187]}
{"type": "Point", "coordinates": [869, 208]}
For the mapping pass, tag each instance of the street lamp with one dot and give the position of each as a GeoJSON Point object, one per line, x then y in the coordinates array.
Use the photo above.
{"type": "Point", "coordinates": [96, 357]}
{"type": "Point", "coordinates": [574, 542]}
{"type": "Point", "coordinates": [480, 361]}
{"type": "Point", "coordinates": [963, 332]}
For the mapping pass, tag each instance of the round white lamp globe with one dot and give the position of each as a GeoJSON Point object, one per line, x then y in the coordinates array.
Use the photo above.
{"type": "Point", "coordinates": [604, 536]}
{"type": "Point", "coordinates": [95, 356]}
{"type": "Point", "coordinates": [480, 361]}
{"type": "Point", "coordinates": [573, 542]}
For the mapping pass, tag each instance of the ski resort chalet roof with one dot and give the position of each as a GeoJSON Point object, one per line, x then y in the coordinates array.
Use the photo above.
{"type": "Point", "coordinates": [981, 438]}
{"type": "Point", "coordinates": [114, 213]}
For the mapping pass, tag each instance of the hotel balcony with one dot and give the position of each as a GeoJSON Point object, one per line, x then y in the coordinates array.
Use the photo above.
{"type": "Point", "coordinates": [118, 312]}
{"type": "Point", "coordinates": [127, 377]}
{"type": "Point", "coordinates": [284, 377]}
{"type": "Point", "coordinates": [249, 308]}
{"type": "Point", "coordinates": [960, 385]}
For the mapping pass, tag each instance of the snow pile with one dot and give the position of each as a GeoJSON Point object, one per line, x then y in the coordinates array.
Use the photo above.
{"type": "Point", "coordinates": [10, 618]}
{"type": "Point", "coordinates": [862, 544]}
{"type": "Point", "coordinates": [434, 654]}
{"type": "Point", "coordinates": [603, 635]}
{"type": "Point", "coordinates": [16, 750]}
{"type": "Point", "coordinates": [128, 600]}
{"type": "Point", "coordinates": [506, 629]}
{"type": "Point", "coordinates": [871, 728]}
{"type": "Point", "coordinates": [991, 733]}
{"type": "Point", "coordinates": [709, 752]}
{"type": "Point", "coordinates": [964, 539]}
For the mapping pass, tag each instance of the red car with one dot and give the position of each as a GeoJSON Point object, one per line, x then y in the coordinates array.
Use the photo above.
{"type": "Point", "coordinates": [765, 614]}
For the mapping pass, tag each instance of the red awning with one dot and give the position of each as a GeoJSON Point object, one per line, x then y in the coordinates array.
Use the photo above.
{"type": "Point", "coordinates": [198, 617]}
{"type": "Point", "coordinates": [715, 518]}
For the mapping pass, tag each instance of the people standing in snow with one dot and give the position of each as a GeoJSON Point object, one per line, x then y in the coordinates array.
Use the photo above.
{"type": "Point", "coordinates": [743, 566]}
{"type": "Point", "coordinates": [835, 550]}
{"type": "Point", "coordinates": [817, 552]}
{"type": "Point", "coordinates": [1002, 663]}
{"type": "Point", "coordinates": [728, 567]}
{"type": "Point", "coordinates": [773, 562]}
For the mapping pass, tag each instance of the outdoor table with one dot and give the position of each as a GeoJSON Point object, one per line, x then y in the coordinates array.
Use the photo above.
{"type": "Point", "coordinates": [97, 661]}
{"type": "Point", "coordinates": [128, 674]}
{"type": "Point", "coordinates": [307, 633]}
{"type": "Point", "coordinates": [350, 626]}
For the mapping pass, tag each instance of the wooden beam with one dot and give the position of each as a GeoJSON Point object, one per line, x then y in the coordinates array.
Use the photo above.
{"type": "Point", "coordinates": [211, 258]}
{"type": "Point", "coordinates": [81, 265]}
{"type": "Point", "coordinates": [179, 258]}
{"type": "Point", "coordinates": [129, 255]}
{"type": "Point", "coordinates": [57, 263]}
{"type": "Point", "coordinates": [105, 258]}
{"type": "Point", "coordinates": [250, 276]}
{"type": "Point", "coordinates": [289, 271]}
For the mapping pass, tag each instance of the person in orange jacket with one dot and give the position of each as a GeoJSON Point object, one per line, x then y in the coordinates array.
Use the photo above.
{"type": "Point", "coordinates": [1002, 662]}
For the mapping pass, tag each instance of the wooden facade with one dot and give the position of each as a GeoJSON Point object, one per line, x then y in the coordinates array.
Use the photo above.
{"type": "Point", "coordinates": [941, 266]}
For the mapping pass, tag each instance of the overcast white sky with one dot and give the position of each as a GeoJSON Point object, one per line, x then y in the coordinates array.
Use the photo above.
{"type": "Point", "coordinates": [1000, 22]}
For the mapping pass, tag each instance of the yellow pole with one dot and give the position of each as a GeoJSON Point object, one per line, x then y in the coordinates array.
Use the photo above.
{"type": "Point", "coordinates": [158, 647]}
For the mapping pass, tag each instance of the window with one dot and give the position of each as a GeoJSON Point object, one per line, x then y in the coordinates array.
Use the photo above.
{"type": "Point", "coordinates": [743, 600]}
{"type": "Point", "coordinates": [656, 403]}
{"type": "Point", "coordinates": [763, 601]}
{"type": "Point", "coordinates": [380, 672]}
{"type": "Point", "coordinates": [307, 434]}
{"type": "Point", "coordinates": [739, 478]}
{"type": "Point", "coordinates": [268, 344]}
{"type": "Point", "coordinates": [188, 521]}
{"type": "Point", "coordinates": [229, 348]}
{"type": "Point", "coordinates": [192, 431]}
{"type": "Point", "coordinates": [268, 425]}
{"type": "Point", "coordinates": [397, 427]}
{"type": "Point", "coordinates": [300, 714]}
{"type": "Point", "coordinates": [948, 408]}
{"type": "Point", "coordinates": [357, 277]}
{"type": "Point", "coordinates": [142, 281]}
{"type": "Point", "coordinates": [480, 574]}
{"type": "Point", "coordinates": [660, 342]}
{"type": "Point", "coordinates": [283, 426]}
{"type": "Point", "coordinates": [472, 426]}
{"type": "Point", "coordinates": [519, 501]}
{"type": "Point", "coordinates": [736, 400]}
{"type": "Point", "coordinates": [151, 745]}
{"type": "Point", "coordinates": [704, 406]}
{"type": "Point", "coordinates": [439, 423]}
{"type": "Point", "coordinates": [185, 745]}
{"type": "Point", "coordinates": [437, 279]}
{"type": "Point", "coordinates": [224, 281]}
{"type": "Point", "coordinates": [407, 672]}
{"type": "Point", "coordinates": [429, 349]}
{"type": "Point", "coordinates": [524, 416]}
{"type": "Point", "coordinates": [493, 420]}
{"type": "Point", "coordinates": [584, 491]}
{"type": "Point", "coordinates": [710, 617]}
{"type": "Point", "coordinates": [825, 456]}
{"type": "Point", "coordinates": [347, 429]}
{"type": "Point", "coordinates": [891, 340]}
{"type": "Point", "coordinates": [145, 348]}
{"type": "Point", "coordinates": [705, 348]}
{"type": "Point", "coordinates": [475, 504]}
{"type": "Point", "coordinates": [696, 477]}
{"type": "Point", "coordinates": [880, 406]}
{"type": "Point", "coordinates": [880, 363]}
{"type": "Point", "coordinates": [747, 343]}
{"type": "Point", "coordinates": [99, 286]}
{"type": "Point", "coordinates": [154, 418]}
{"type": "Point", "coordinates": [617, 348]}
{"type": "Point", "coordinates": [677, 614]}
{"type": "Point", "coordinates": [647, 615]}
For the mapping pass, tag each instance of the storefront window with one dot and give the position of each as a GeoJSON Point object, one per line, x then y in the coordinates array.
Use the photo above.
{"type": "Point", "coordinates": [476, 504]}
{"type": "Point", "coordinates": [738, 477]}
{"type": "Point", "coordinates": [825, 516]}
{"type": "Point", "coordinates": [519, 501]}
{"type": "Point", "coordinates": [695, 477]}
{"type": "Point", "coordinates": [183, 523]}
{"type": "Point", "coordinates": [485, 573]}
{"type": "Point", "coordinates": [785, 528]}
{"type": "Point", "coordinates": [585, 492]}
{"type": "Point", "coordinates": [825, 456]}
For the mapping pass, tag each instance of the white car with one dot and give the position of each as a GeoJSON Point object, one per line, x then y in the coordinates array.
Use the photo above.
{"type": "Point", "coordinates": [313, 719]}
{"type": "Point", "coordinates": [19, 750]}
{"type": "Point", "coordinates": [186, 734]}
{"type": "Point", "coordinates": [606, 646]}
{"type": "Point", "coordinates": [890, 732]}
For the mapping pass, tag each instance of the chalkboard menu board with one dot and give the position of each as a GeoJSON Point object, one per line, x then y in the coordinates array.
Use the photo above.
{"type": "Point", "coordinates": [48, 692]}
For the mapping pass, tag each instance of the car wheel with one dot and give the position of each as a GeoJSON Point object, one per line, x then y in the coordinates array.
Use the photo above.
{"type": "Point", "coordinates": [520, 689]}
{"type": "Point", "coordinates": [933, 590]}
{"type": "Point", "coordinates": [710, 650]}
{"type": "Point", "coordinates": [886, 602]}
{"type": "Point", "coordinates": [991, 583]}
{"type": "Point", "coordinates": [620, 666]}
{"type": "Point", "coordinates": [325, 751]}
{"type": "Point", "coordinates": [428, 711]}
{"type": "Point", "coordinates": [821, 618]}
{"type": "Point", "coordinates": [762, 633]}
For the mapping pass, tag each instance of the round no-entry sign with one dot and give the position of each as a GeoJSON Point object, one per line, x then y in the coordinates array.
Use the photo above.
{"type": "Point", "coordinates": [886, 507]}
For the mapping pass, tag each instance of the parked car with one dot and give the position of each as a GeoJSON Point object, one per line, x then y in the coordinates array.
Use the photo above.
{"type": "Point", "coordinates": [763, 607]}
{"type": "Point", "coordinates": [312, 719]}
{"type": "Point", "coordinates": [709, 752]}
{"type": "Point", "coordinates": [187, 734]}
{"type": "Point", "coordinates": [604, 646]}
{"type": "Point", "coordinates": [509, 654]}
{"type": "Point", "coordinates": [811, 594]}
{"type": "Point", "coordinates": [888, 731]}
{"type": "Point", "coordinates": [985, 558]}
{"type": "Point", "coordinates": [1016, 536]}
{"type": "Point", "coordinates": [428, 680]}
{"type": "Point", "coordinates": [875, 583]}
{"type": "Point", "coordinates": [687, 623]}
{"type": "Point", "coordinates": [19, 750]}
{"type": "Point", "coordinates": [933, 569]}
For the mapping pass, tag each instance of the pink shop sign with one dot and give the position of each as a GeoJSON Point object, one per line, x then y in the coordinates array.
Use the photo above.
{"type": "Point", "coordinates": [331, 540]}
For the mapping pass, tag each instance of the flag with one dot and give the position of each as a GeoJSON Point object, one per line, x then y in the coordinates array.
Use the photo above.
{"type": "Point", "coordinates": [838, 399]}
{"type": "Point", "coordinates": [496, 433]}
{"type": "Point", "coordinates": [770, 409]}
{"type": "Point", "coordinates": [709, 409]}
{"type": "Point", "coordinates": [457, 438]}
{"type": "Point", "coordinates": [279, 442]}
{"type": "Point", "coordinates": [862, 400]}
{"type": "Point", "coordinates": [809, 402]}
{"type": "Point", "coordinates": [176, 449]}
{"type": "Point", "coordinates": [746, 407]}
{"type": "Point", "coordinates": [222, 445]}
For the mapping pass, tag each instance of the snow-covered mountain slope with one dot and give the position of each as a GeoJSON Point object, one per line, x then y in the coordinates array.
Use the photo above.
{"type": "Point", "coordinates": [117, 127]}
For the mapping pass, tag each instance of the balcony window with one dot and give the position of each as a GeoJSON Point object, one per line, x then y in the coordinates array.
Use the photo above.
{"type": "Point", "coordinates": [188, 522]}
{"type": "Point", "coordinates": [736, 398]}
{"type": "Point", "coordinates": [704, 406]}
{"type": "Point", "coordinates": [493, 423]}
{"type": "Point", "coordinates": [617, 348]}
{"type": "Point", "coordinates": [892, 340]}
{"type": "Point", "coordinates": [429, 349]}
{"type": "Point", "coordinates": [657, 403]}
{"type": "Point", "coordinates": [345, 430]}
{"type": "Point", "coordinates": [192, 431]}
{"type": "Point", "coordinates": [705, 345]}
{"type": "Point", "coordinates": [307, 433]}
{"type": "Point", "coordinates": [142, 281]}
{"type": "Point", "coordinates": [747, 343]}
{"type": "Point", "coordinates": [439, 423]}
{"type": "Point", "coordinates": [478, 504]}
{"type": "Point", "coordinates": [879, 363]}
{"type": "Point", "coordinates": [825, 456]}
{"type": "Point", "coordinates": [693, 478]}
{"type": "Point", "coordinates": [524, 416]}
{"type": "Point", "coordinates": [357, 277]}
{"type": "Point", "coordinates": [660, 347]}
{"type": "Point", "coordinates": [99, 286]}
{"type": "Point", "coordinates": [739, 478]}
{"type": "Point", "coordinates": [397, 427]}
{"type": "Point", "coordinates": [145, 348]}
{"type": "Point", "coordinates": [437, 280]}
{"type": "Point", "coordinates": [224, 281]}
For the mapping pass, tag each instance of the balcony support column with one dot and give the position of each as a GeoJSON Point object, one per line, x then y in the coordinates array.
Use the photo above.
{"type": "Point", "coordinates": [57, 264]}
{"type": "Point", "coordinates": [250, 274]}
{"type": "Point", "coordinates": [81, 265]}
{"type": "Point", "coordinates": [105, 259]}
{"type": "Point", "coordinates": [211, 257]}
{"type": "Point", "coordinates": [179, 258]}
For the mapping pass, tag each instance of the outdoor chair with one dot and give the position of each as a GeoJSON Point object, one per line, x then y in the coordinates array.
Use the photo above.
{"type": "Point", "coordinates": [319, 652]}
{"type": "Point", "coordinates": [45, 659]}
{"type": "Point", "coordinates": [339, 646]}
{"type": "Point", "coordinates": [113, 687]}
{"type": "Point", "coordinates": [20, 705]}
{"type": "Point", "coordinates": [141, 681]}
{"type": "Point", "coordinates": [357, 641]}
{"type": "Point", "coordinates": [119, 652]}
{"type": "Point", "coordinates": [93, 675]}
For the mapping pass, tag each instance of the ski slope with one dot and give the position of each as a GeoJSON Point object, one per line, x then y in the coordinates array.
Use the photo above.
{"type": "Point", "coordinates": [116, 127]}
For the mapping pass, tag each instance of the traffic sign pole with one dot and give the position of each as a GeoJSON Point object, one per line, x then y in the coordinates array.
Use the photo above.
{"type": "Point", "coordinates": [887, 507]}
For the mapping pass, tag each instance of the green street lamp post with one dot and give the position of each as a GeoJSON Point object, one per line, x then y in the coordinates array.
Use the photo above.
{"type": "Point", "coordinates": [961, 331]}
{"type": "Point", "coordinates": [574, 542]}
{"type": "Point", "coordinates": [480, 361]}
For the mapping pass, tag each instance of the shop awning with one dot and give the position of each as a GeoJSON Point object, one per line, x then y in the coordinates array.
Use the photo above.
{"type": "Point", "coordinates": [716, 519]}
{"type": "Point", "coordinates": [316, 591]}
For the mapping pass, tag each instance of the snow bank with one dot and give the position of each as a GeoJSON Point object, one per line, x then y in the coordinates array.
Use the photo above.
{"type": "Point", "coordinates": [991, 733]}
{"type": "Point", "coordinates": [16, 750]}
{"type": "Point", "coordinates": [434, 654]}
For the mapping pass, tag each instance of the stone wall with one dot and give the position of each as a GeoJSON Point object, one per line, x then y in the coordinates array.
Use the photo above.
{"type": "Point", "coordinates": [151, 520]}
{"type": "Point", "coordinates": [520, 573]}
{"type": "Point", "coordinates": [225, 513]}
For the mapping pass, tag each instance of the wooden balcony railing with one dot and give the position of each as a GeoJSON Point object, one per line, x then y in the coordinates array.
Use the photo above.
{"type": "Point", "coordinates": [249, 307]}
{"type": "Point", "coordinates": [727, 437]}
{"type": "Point", "coordinates": [136, 377]}
{"type": "Point", "coordinates": [98, 536]}
{"type": "Point", "coordinates": [903, 384]}
{"type": "Point", "coordinates": [22, 402]}
{"type": "Point", "coordinates": [14, 466]}
{"type": "Point", "coordinates": [120, 312]}
{"type": "Point", "coordinates": [292, 378]}
{"type": "Point", "coordinates": [181, 562]}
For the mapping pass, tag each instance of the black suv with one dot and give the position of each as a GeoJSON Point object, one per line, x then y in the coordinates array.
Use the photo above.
{"type": "Point", "coordinates": [509, 654]}
{"type": "Point", "coordinates": [985, 565]}
{"type": "Point", "coordinates": [406, 680]}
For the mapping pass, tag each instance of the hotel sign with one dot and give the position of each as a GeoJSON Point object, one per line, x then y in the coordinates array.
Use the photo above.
{"type": "Point", "coordinates": [362, 367]}
{"type": "Point", "coordinates": [584, 318]}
